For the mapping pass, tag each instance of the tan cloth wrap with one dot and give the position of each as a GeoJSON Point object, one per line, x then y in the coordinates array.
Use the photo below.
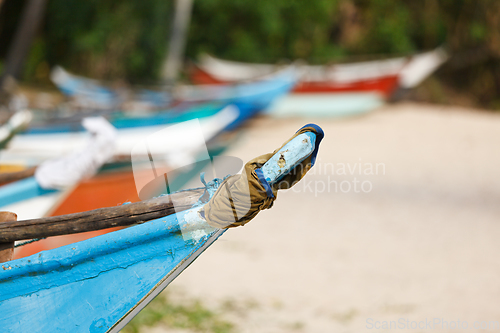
{"type": "Point", "coordinates": [240, 197]}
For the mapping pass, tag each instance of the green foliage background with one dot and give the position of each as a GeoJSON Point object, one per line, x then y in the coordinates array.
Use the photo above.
{"type": "Point", "coordinates": [127, 39]}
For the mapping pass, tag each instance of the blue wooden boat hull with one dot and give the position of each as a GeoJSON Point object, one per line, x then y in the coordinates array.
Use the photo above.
{"type": "Point", "coordinates": [89, 286]}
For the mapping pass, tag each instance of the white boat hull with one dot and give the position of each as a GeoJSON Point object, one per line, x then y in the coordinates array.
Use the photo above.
{"type": "Point", "coordinates": [34, 148]}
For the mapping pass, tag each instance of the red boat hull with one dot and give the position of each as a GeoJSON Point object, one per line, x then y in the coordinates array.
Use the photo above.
{"type": "Point", "coordinates": [383, 85]}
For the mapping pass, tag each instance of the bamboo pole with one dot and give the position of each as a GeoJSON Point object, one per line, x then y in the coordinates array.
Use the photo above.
{"type": "Point", "coordinates": [98, 219]}
{"type": "Point", "coordinates": [6, 248]}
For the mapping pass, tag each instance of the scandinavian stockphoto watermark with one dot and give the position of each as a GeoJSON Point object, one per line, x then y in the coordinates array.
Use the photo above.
{"type": "Point", "coordinates": [436, 323]}
{"type": "Point", "coordinates": [340, 177]}
{"type": "Point", "coordinates": [158, 159]}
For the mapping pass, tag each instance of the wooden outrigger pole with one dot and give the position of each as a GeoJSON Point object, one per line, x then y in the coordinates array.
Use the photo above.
{"type": "Point", "coordinates": [98, 219]}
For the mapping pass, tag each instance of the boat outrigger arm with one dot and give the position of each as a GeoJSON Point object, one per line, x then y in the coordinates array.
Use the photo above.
{"type": "Point", "coordinates": [100, 284]}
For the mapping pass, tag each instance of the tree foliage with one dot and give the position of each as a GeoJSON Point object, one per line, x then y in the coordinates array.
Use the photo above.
{"type": "Point", "coordinates": [128, 39]}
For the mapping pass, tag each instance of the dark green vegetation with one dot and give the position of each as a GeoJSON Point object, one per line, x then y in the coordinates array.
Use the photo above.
{"type": "Point", "coordinates": [127, 39]}
{"type": "Point", "coordinates": [194, 317]}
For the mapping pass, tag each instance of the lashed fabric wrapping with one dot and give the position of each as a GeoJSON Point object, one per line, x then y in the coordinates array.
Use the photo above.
{"type": "Point", "coordinates": [241, 197]}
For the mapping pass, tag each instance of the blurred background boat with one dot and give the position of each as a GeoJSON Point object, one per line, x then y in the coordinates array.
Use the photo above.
{"type": "Point", "coordinates": [251, 96]}
{"type": "Point", "coordinates": [330, 90]}
{"type": "Point", "coordinates": [33, 148]}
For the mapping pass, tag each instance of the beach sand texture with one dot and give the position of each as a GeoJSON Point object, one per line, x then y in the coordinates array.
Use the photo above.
{"type": "Point", "coordinates": [420, 240]}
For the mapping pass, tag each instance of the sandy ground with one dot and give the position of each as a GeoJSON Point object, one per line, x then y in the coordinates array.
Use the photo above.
{"type": "Point", "coordinates": [419, 242]}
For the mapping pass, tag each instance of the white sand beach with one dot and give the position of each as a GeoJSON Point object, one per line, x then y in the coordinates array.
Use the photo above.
{"type": "Point", "coordinates": [419, 242]}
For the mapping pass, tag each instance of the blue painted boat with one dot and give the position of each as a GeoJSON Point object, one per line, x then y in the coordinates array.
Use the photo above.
{"type": "Point", "coordinates": [100, 284]}
{"type": "Point", "coordinates": [93, 94]}
{"type": "Point", "coordinates": [32, 200]}
{"type": "Point", "coordinates": [89, 286]}
{"type": "Point", "coordinates": [29, 200]}
{"type": "Point", "coordinates": [250, 97]}
{"type": "Point", "coordinates": [37, 147]}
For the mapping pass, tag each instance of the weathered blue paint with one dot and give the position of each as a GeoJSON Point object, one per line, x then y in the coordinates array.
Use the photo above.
{"type": "Point", "coordinates": [301, 145]}
{"type": "Point", "coordinates": [90, 285]}
{"type": "Point", "coordinates": [99, 284]}
{"type": "Point", "coordinates": [21, 190]}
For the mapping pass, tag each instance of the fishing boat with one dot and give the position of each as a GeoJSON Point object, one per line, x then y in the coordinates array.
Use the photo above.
{"type": "Point", "coordinates": [336, 90]}
{"type": "Point", "coordinates": [378, 76]}
{"type": "Point", "coordinates": [38, 188]}
{"type": "Point", "coordinates": [116, 185]}
{"type": "Point", "coordinates": [100, 284]}
{"type": "Point", "coordinates": [198, 102]}
{"type": "Point", "coordinates": [111, 187]}
{"type": "Point", "coordinates": [250, 96]}
{"type": "Point", "coordinates": [266, 87]}
{"type": "Point", "coordinates": [124, 120]}
{"type": "Point", "coordinates": [103, 190]}
{"type": "Point", "coordinates": [41, 192]}
{"type": "Point", "coordinates": [33, 148]}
